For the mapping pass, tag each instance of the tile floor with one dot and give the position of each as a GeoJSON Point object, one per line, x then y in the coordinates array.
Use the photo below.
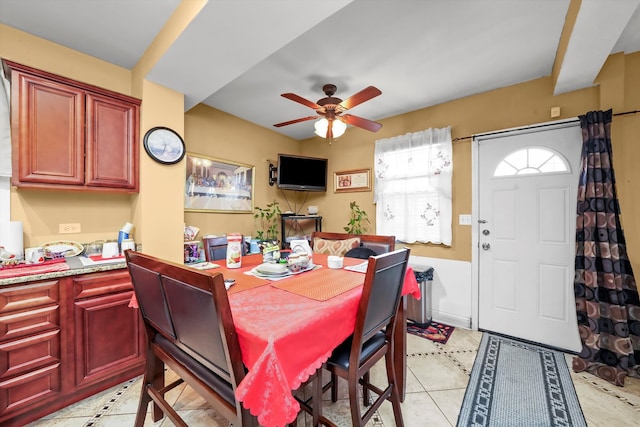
{"type": "Point", "coordinates": [437, 378]}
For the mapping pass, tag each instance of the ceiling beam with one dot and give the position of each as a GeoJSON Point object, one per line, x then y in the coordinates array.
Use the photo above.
{"type": "Point", "coordinates": [596, 30]}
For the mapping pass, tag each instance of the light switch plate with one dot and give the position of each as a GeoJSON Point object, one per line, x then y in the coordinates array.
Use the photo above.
{"type": "Point", "coordinates": [464, 219]}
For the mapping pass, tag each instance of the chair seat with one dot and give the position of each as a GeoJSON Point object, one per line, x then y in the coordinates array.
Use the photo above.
{"type": "Point", "coordinates": [202, 372]}
{"type": "Point", "coordinates": [360, 252]}
{"type": "Point", "coordinates": [340, 356]}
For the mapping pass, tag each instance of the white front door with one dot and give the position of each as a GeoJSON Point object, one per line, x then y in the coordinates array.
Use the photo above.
{"type": "Point", "coordinates": [527, 215]}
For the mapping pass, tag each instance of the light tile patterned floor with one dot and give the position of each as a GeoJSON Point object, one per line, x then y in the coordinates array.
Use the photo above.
{"type": "Point", "coordinates": [437, 379]}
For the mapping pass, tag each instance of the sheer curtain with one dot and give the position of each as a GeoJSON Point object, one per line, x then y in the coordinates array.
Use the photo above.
{"type": "Point", "coordinates": [413, 186]}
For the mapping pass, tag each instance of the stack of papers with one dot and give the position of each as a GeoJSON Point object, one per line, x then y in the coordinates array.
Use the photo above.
{"type": "Point", "coordinates": [360, 268]}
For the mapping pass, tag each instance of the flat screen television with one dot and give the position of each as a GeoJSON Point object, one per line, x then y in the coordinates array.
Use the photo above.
{"type": "Point", "coordinates": [302, 173]}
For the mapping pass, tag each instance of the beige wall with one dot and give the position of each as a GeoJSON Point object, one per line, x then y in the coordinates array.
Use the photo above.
{"type": "Point", "coordinates": [213, 133]}
{"type": "Point", "coordinates": [518, 105]}
{"type": "Point", "coordinates": [100, 215]}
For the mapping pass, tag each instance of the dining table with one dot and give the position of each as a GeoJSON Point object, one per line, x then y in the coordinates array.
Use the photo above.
{"type": "Point", "coordinates": [288, 326]}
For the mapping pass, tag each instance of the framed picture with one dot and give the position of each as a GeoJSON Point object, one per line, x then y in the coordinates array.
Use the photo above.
{"type": "Point", "coordinates": [216, 185]}
{"type": "Point", "coordinates": [354, 180]}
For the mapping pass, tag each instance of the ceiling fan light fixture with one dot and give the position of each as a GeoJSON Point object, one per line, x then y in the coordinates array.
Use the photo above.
{"type": "Point", "coordinates": [322, 125]}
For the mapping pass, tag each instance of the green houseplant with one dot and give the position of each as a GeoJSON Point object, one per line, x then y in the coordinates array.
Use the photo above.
{"type": "Point", "coordinates": [358, 220]}
{"type": "Point", "coordinates": [266, 219]}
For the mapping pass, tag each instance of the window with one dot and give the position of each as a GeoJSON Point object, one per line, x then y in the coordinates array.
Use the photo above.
{"type": "Point", "coordinates": [413, 186]}
{"type": "Point", "coordinates": [531, 160]}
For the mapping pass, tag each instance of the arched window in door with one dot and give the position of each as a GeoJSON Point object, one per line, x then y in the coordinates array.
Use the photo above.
{"type": "Point", "coordinates": [532, 160]}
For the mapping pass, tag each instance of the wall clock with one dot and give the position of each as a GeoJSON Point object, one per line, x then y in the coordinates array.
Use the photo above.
{"type": "Point", "coordinates": [164, 145]}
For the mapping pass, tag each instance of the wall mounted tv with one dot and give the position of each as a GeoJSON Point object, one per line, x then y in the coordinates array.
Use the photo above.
{"type": "Point", "coordinates": [302, 173]}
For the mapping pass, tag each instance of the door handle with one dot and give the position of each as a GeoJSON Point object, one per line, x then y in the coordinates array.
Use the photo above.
{"type": "Point", "coordinates": [486, 246]}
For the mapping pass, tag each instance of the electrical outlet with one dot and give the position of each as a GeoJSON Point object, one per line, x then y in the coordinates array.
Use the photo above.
{"type": "Point", "coordinates": [69, 228]}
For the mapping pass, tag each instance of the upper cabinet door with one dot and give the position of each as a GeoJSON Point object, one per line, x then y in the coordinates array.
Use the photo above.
{"type": "Point", "coordinates": [111, 144]}
{"type": "Point", "coordinates": [69, 135]}
{"type": "Point", "coordinates": [48, 118]}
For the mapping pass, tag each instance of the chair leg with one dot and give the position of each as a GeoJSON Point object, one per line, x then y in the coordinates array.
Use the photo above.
{"type": "Point", "coordinates": [316, 399]}
{"type": "Point", "coordinates": [356, 416]}
{"type": "Point", "coordinates": [395, 394]}
{"type": "Point", "coordinates": [366, 394]}
{"type": "Point", "coordinates": [334, 387]}
{"type": "Point", "coordinates": [153, 377]}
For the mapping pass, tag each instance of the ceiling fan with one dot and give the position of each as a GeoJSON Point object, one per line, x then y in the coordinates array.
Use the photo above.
{"type": "Point", "coordinates": [331, 109]}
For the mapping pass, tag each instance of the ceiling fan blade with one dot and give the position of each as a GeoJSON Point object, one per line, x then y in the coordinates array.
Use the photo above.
{"type": "Point", "coordinates": [360, 97]}
{"type": "Point", "coordinates": [360, 122]}
{"type": "Point", "coordinates": [301, 100]}
{"type": "Point", "coordinates": [290, 122]}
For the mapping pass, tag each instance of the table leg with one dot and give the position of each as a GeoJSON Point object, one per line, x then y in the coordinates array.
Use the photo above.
{"type": "Point", "coordinates": [400, 347]}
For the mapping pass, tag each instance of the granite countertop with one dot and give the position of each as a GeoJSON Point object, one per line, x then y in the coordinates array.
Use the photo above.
{"type": "Point", "coordinates": [75, 268]}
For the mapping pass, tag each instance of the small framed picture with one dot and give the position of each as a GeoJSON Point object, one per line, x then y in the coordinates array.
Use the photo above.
{"type": "Point", "coordinates": [353, 180]}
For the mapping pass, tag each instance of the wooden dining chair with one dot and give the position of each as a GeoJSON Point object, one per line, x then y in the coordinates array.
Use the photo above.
{"type": "Point", "coordinates": [190, 330]}
{"type": "Point", "coordinates": [340, 243]}
{"type": "Point", "coordinates": [215, 248]}
{"type": "Point", "coordinates": [371, 341]}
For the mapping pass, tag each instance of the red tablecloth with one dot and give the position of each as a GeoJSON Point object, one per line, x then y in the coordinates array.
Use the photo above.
{"type": "Point", "coordinates": [285, 337]}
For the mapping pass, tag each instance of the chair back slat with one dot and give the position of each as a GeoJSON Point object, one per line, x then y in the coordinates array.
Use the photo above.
{"type": "Point", "coordinates": [151, 299]}
{"type": "Point", "coordinates": [197, 324]}
{"type": "Point", "coordinates": [381, 293]}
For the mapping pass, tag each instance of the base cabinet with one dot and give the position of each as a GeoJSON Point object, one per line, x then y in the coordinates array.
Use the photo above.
{"type": "Point", "coordinates": [107, 330]}
{"type": "Point", "coordinates": [63, 340]}
{"type": "Point", "coordinates": [30, 346]}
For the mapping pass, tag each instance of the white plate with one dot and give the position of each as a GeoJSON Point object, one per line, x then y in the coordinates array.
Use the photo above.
{"type": "Point", "coordinates": [72, 248]}
{"type": "Point", "coordinates": [257, 273]}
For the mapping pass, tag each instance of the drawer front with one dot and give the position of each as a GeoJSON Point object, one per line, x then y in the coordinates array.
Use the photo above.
{"type": "Point", "coordinates": [29, 389]}
{"type": "Point", "coordinates": [20, 356]}
{"type": "Point", "coordinates": [92, 285]}
{"type": "Point", "coordinates": [19, 324]}
{"type": "Point", "coordinates": [29, 296]}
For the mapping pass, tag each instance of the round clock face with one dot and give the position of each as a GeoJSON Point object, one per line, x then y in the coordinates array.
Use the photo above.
{"type": "Point", "coordinates": [164, 145]}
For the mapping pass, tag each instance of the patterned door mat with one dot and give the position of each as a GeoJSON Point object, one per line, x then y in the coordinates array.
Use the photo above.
{"type": "Point", "coordinates": [436, 332]}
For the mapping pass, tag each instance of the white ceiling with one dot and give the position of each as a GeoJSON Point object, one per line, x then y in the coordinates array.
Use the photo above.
{"type": "Point", "coordinates": [240, 55]}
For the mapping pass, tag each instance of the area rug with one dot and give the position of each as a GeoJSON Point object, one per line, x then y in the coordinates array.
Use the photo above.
{"type": "Point", "coordinates": [514, 383]}
{"type": "Point", "coordinates": [436, 332]}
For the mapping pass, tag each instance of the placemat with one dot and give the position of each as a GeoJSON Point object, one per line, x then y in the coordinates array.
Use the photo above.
{"type": "Point", "coordinates": [322, 284]}
{"type": "Point", "coordinates": [244, 282]}
{"type": "Point", "coordinates": [29, 269]}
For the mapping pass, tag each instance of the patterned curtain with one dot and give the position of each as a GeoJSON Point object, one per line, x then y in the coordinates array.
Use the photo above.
{"type": "Point", "coordinates": [607, 302]}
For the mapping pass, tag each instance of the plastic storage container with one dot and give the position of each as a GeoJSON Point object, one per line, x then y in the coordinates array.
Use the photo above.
{"type": "Point", "coordinates": [234, 250]}
{"type": "Point", "coordinates": [419, 311]}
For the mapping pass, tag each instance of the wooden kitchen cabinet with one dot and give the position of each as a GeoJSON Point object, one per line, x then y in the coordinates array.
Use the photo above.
{"type": "Point", "coordinates": [30, 346]}
{"type": "Point", "coordinates": [66, 339]}
{"type": "Point", "coordinates": [71, 135]}
{"type": "Point", "coordinates": [108, 333]}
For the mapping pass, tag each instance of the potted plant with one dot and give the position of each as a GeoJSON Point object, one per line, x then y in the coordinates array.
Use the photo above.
{"type": "Point", "coordinates": [267, 221]}
{"type": "Point", "coordinates": [358, 220]}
